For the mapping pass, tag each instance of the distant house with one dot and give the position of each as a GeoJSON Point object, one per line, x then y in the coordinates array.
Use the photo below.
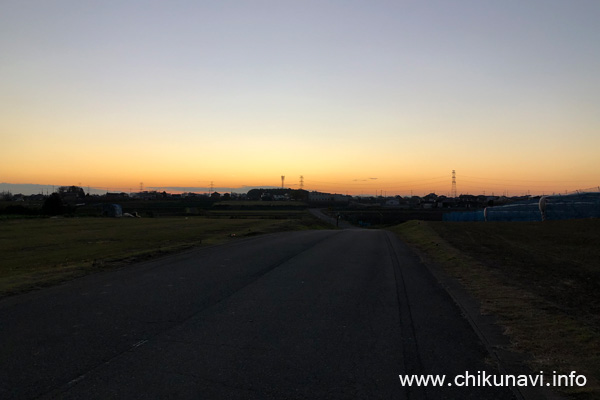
{"type": "Point", "coordinates": [431, 197]}
{"type": "Point", "coordinates": [414, 201]}
{"type": "Point", "coordinates": [116, 196]}
{"type": "Point", "coordinates": [327, 198]}
{"type": "Point", "coordinates": [392, 203]}
{"type": "Point", "coordinates": [467, 201]}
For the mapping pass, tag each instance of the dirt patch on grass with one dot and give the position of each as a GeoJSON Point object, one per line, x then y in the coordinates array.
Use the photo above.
{"type": "Point", "coordinates": [542, 280]}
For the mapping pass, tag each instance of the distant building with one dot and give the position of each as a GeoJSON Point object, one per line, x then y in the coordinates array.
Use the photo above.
{"type": "Point", "coordinates": [327, 198]}
{"type": "Point", "coordinates": [116, 195]}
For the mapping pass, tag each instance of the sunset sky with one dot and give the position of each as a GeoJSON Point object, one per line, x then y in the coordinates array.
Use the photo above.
{"type": "Point", "coordinates": [357, 97]}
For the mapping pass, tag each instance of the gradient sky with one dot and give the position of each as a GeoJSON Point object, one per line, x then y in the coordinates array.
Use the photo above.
{"type": "Point", "coordinates": [182, 93]}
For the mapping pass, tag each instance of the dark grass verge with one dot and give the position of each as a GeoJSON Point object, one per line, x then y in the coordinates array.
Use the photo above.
{"type": "Point", "coordinates": [540, 279]}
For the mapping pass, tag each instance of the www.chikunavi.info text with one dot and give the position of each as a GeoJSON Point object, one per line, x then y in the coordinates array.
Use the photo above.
{"type": "Point", "coordinates": [482, 379]}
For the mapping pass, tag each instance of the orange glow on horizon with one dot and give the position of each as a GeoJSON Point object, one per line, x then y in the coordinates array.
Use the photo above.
{"type": "Point", "coordinates": [361, 185]}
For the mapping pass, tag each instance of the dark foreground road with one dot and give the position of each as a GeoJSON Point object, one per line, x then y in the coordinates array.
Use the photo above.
{"type": "Point", "coordinates": [315, 315]}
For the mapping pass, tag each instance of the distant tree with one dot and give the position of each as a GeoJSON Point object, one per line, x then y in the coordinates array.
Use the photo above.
{"type": "Point", "coordinates": [53, 205]}
{"type": "Point", "coordinates": [299, 194]}
{"type": "Point", "coordinates": [254, 194]}
{"type": "Point", "coordinates": [226, 196]}
{"type": "Point", "coordinates": [71, 190]}
{"type": "Point", "coordinates": [7, 196]}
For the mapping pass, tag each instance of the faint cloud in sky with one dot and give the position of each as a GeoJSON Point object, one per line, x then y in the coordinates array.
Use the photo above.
{"type": "Point", "coordinates": [363, 180]}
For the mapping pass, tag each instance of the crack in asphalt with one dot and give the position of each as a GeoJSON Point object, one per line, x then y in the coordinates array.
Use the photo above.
{"type": "Point", "coordinates": [412, 360]}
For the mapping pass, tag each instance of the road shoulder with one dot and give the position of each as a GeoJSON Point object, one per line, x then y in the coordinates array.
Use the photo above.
{"type": "Point", "coordinates": [486, 327]}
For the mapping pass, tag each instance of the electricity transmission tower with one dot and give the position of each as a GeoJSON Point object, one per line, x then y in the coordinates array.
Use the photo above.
{"type": "Point", "coordinates": [453, 183]}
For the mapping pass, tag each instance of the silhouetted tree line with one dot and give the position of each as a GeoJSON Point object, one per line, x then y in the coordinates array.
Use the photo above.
{"type": "Point", "coordinates": [269, 194]}
{"type": "Point", "coordinates": [53, 205]}
{"type": "Point", "coordinates": [64, 199]}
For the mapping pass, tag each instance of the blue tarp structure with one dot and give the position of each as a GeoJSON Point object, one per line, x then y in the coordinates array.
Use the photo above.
{"type": "Point", "coordinates": [572, 206]}
{"type": "Point", "coordinates": [515, 212]}
{"type": "Point", "coordinates": [112, 210]}
{"type": "Point", "coordinates": [581, 205]}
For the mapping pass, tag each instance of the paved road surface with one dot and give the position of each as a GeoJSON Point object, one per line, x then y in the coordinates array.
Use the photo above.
{"type": "Point", "coordinates": [340, 223]}
{"type": "Point", "coordinates": [315, 315]}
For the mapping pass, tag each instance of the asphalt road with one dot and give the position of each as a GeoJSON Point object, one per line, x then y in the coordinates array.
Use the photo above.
{"type": "Point", "coordinates": [314, 314]}
{"type": "Point", "coordinates": [340, 223]}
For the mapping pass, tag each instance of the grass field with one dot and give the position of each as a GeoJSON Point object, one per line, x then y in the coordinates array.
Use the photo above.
{"type": "Point", "coordinates": [541, 279]}
{"type": "Point", "coordinates": [44, 251]}
{"type": "Point", "coordinates": [272, 214]}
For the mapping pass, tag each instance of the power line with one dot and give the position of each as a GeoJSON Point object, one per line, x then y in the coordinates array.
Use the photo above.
{"type": "Point", "coordinates": [381, 182]}
{"type": "Point", "coordinates": [522, 180]}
